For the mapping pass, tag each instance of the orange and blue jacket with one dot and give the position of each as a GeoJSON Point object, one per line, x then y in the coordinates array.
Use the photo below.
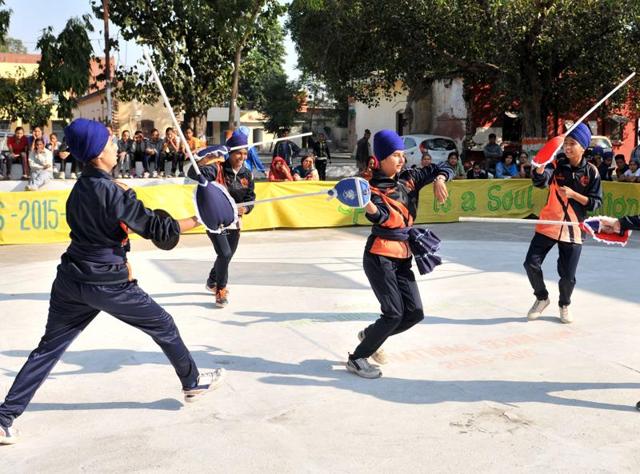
{"type": "Point", "coordinates": [583, 179]}
{"type": "Point", "coordinates": [396, 200]}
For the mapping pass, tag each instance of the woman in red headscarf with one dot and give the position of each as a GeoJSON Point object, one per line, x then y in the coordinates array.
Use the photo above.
{"type": "Point", "coordinates": [279, 170]}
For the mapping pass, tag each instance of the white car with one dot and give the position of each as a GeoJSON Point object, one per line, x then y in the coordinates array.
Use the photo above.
{"type": "Point", "coordinates": [601, 141]}
{"type": "Point", "coordinates": [437, 146]}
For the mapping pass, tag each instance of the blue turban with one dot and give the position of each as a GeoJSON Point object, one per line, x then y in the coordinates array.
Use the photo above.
{"type": "Point", "coordinates": [244, 130]}
{"type": "Point", "coordinates": [386, 142]}
{"type": "Point", "coordinates": [237, 139]}
{"type": "Point", "coordinates": [581, 134]}
{"type": "Point", "coordinates": [86, 138]}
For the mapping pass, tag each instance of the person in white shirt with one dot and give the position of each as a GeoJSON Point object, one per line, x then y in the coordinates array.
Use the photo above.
{"type": "Point", "coordinates": [41, 165]}
{"type": "Point", "coordinates": [632, 175]}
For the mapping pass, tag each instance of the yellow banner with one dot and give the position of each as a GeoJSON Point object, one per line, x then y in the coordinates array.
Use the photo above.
{"type": "Point", "coordinates": [39, 217]}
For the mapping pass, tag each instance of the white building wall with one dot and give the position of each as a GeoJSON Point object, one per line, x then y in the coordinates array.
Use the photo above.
{"type": "Point", "coordinates": [379, 117]}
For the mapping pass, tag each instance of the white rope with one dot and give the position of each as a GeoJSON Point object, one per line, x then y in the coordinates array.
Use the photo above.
{"type": "Point", "coordinates": [506, 220]}
{"type": "Point", "coordinates": [240, 147]}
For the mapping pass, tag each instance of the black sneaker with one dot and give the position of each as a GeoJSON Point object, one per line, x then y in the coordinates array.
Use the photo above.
{"type": "Point", "coordinates": [207, 381]}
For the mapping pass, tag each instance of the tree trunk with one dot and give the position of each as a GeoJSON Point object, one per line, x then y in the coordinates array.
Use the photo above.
{"type": "Point", "coordinates": [233, 103]}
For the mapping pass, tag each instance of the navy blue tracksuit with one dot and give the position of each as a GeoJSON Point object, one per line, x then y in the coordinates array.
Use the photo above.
{"type": "Point", "coordinates": [241, 188]}
{"type": "Point", "coordinates": [387, 264]}
{"type": "Point", "coordinates": [94, 276]}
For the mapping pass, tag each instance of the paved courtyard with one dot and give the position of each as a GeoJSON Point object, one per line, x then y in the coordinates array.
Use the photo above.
{"type": "Point", "coordinates": [474, 388]}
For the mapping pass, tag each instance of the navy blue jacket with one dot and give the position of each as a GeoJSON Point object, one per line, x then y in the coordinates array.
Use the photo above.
{"type": "Point", "coordinates": [98, 212]}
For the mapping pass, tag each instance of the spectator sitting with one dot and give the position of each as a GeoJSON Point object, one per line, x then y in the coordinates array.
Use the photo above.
{"type": "Point", "coordinates": [192, 141]}
{"type": "Point", "coordinates": [18, 151]}
{"type": "Point", "coordinates": [174, 150]}
{"type": "Point", "coordinates": [41, 164]}
{"type": "Point", "coordinates": [139, 153]}
{"type": "Point", "coordinates": [632, 175]}
{"type": "Point", "coordinates": [606, 167]}
{"type": "Point", "coordinates": [621, 166]}
{"type": "Point", "coordinates": [286, 149]}
{"type": "Point", "coordinates": [506, 168]}
{"type": "Point", "coordinates": [492, 152]}
{"type": "Point", "coordinates": [279, 171]}
{"type": "Point", "coordinates": [372, 164]}
{"type": "Point", "coordinates": [425, 160]}
{"type": "Point", "coordinates": [524, 166]}
{"type": "Point", "coordinates": [476, 172]}
{"type": "Point", "coordinates": [35, 134]}
{"type": "Point", "coordinates": [306, 170]}
{"type": "Point", "coordinates": [154, 152]}
{"type": "Point", "coordinates": [454, 161]}
{"type": "Point", "coordinates": [635, 153]}
{"type": "Point", "coordinates": [54, 147]}
{"type": "Point", "coordinates": [123, 165]}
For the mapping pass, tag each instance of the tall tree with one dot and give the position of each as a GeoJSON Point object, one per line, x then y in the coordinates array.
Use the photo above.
{"type": "Point", "coordinates": [281, 103]}
{"type": "Point", "coordinates": [536, 57]}
{"type": "Point", "coordinates": [21, 98]}
{"type": "Point", "coordinates": [194, 45]}
{"type": "Point", "coordinates": [12, 45]}
{"type": "Point", "coordinates": [65, 63]}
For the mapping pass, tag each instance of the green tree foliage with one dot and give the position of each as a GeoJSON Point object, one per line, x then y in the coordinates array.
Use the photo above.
{"type": "Point", "coordinates": [65, 63]}
{"type": "Point", "coordinates": [194, 44]}
{"type": "Point", "coordinates": [281, 103]}
{"type": "Point", "coordinates": [21, 98]}
{"type": "Point", "coordinates": [12, 45]}
{"type": "Point", "coordinates": [537, 57]}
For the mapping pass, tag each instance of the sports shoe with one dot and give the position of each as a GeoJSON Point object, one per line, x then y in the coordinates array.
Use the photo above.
{"type": "Point", "coordinates": [211, 289]}
{"type": "Point", "coordinates": [565, 315]}
{"type": "Point", "coordinates": [221, 297]}
{"type": "Point", "coordinates": [145, 174]}
{"type": "Point", "coordinates": [380, 355]}
{"type": "Point", "coordinates": [154, 174]}
{"type": "Point", "coordinates": [207, 381]}
{"type": "Point", "coordinates": [8, 435]}
{"type": "Point", "coordinates": [162, 174]}
{"type": "Point", "coordinates": [363, 368]}
{"type": "Point", "coordinates": [61, 175]}
{"type": "Point", "coordinates": [75, 176]}
{"type": "Point", "coordinates": [537, 309]}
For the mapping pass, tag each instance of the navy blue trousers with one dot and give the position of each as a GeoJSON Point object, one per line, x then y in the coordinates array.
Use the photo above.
{"type": "Point", "coordinates": [394, 284]}
{"type": "Point", "coordinates": [72, 307]}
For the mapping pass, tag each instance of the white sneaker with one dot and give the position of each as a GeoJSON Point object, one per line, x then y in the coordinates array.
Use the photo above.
{"type": "Point", "coordinates": [154, 174]}
{"type": "Point", "coordinates": [363, 368]}
{"type": "Point", "coordinates": [145, 174]}
{"type": "Point", "coordinates": [207, 381]}
{"type": "Point", "coordinates": [8, 435]}
{"type": "Point", "coordinates": [537, 309]}
{"type": "Point", "coordinates": [74, 176]}
{"type": "Point", "coordinates": [380, 356]}
{"type": "Point", "coordinates": [61, 175]}
{"type": "Point", "coordinates": [565, 315]}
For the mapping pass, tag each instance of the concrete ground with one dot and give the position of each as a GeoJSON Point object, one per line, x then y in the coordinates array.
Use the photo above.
{"type": "Point", "coordinates": [474, 388]}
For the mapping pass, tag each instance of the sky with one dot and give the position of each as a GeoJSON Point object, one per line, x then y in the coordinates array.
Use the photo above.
{"type": "Point", "coordinates": [30, 17]}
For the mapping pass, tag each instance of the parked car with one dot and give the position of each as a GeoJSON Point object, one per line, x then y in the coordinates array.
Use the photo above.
{"type": "Point", "coordinates": [601, 141]}
{"type": "Point", "coordinates": [437, 146]}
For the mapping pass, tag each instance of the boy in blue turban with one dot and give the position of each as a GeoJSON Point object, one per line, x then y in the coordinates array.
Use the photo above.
{"type": "Point", "coordinates": [94, 275]}
{"type": "Point", "coordinates": [388, 252]}
{"type": "Point", "coordinates": [574, 190]}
